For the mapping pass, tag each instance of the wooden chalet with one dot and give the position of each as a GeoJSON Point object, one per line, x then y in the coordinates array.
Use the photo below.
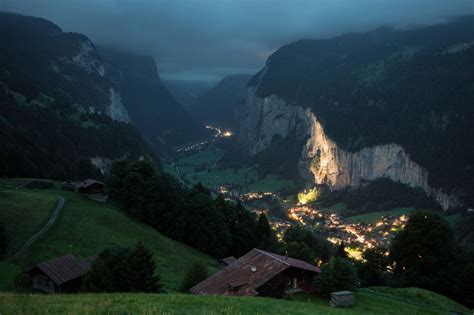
{"type": "Point", "coordinates": [60, 275]}
{"type": "Point", "coordinates": [260, 273]}
{"type": "Point", "coordinates": [91, 186]}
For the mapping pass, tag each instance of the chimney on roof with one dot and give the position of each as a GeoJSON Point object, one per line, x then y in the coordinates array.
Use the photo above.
{"type": "Point", "coordinates": [286, 255]}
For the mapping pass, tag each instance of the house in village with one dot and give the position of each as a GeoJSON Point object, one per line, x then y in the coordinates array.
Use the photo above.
{"type": "Point", "coordinates": [60, 275]}
{"type": "Point", "coordinates": [260, 273]}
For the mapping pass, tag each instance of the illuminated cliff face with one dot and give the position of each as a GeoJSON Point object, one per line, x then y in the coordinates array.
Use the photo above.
{"type": "Point", "coordinates": [338, 168]}
{"type": "Point", "coordinates": [322, 161]}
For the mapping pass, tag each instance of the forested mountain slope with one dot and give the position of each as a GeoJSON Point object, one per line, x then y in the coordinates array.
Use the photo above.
{"type": "Point", "coordinates": [387, 103]}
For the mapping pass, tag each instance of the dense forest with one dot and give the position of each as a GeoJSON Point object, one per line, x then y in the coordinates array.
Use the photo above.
{"type": "Point", "coordinates": [414, 88]}
{"type": "Point", "coordinates": [378, 195]}
{"type": "Point", "coordinates": [192, 215]}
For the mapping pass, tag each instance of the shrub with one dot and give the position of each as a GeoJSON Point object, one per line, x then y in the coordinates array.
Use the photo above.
{"type": "Point", "coordinates": [196, 273]}
{"type": "Point", "coordinates": [338, 275]}
{"type": "Point", "coordinates": [39, 184]}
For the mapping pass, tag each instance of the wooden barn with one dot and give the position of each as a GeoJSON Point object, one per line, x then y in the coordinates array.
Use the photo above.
{"type": "Point", "coordinates": [60, 275]}
{"type": "Point", "coordinates": [91, 186]}
{"type": "Point", "coordinates": [260, 273]}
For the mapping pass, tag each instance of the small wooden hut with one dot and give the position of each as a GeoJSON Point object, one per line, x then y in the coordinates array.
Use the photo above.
{"type": "Point", "coordinates": [342, 299]}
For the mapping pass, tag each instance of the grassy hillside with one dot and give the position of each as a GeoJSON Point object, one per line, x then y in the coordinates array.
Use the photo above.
{"type": "Point", "coordinates": [368, 301]}
{"type": "Point", "coordinates": [84, 228]}
{"type": "Point", "coordinates": [373, 217]}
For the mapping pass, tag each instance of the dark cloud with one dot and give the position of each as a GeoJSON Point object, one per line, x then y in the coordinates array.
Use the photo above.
{"type": "Point", "coordinates": [206, 39]}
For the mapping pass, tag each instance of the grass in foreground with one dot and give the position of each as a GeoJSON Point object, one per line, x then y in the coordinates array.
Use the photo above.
{"type": "Point", "coordinates": [85, 227]}
{"type": "Point", "coordinates": [367, 302]}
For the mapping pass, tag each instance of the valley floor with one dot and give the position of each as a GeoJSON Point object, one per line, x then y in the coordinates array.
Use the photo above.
{"type": "Point", "coordinates": [369, 301]}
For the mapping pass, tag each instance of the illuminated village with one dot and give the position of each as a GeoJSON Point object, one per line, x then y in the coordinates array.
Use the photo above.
{"type": "Point", "coordinates": [357, 236]}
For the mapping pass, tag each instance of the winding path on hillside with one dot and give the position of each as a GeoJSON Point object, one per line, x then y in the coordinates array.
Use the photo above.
{"type": "Point", "coordinates": [54, 216]}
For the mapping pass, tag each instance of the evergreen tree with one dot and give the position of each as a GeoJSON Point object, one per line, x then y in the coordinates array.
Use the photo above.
{"type": "Point", "coordinates": [341, 251]}
{"type": "Point", "coordinates": [371, 271]}
{"type": "Point", "coordinates": [97, 278]}
{"type": "Point", "coordinates": [265, 235]}
{"type": "Point", "coordinates": [196, 274]}
{"type": "Point", "coordinates": [298, 250]}
{"type": "Point", "coordinates": [110, 271]}
{"type": "Point", "coordinates": [338, 275]}
{"type": "Point", "coordinates": [423, 251]}
{"type": "Point", "coordinates": [3, 241]}
{"type": "Point", "coordinates": [141, 270]}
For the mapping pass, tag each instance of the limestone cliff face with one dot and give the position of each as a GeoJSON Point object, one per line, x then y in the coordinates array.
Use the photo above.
{"type": "Point", "coordinates": [321, 160]}
{"type": "Point", "coordinates": [268, 117]}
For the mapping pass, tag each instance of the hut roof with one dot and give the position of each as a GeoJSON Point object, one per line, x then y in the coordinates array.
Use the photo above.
{"type": "Point", "coordinates": [65, 268]}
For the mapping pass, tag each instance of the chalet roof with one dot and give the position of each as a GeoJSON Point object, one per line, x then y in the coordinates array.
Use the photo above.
{"type": "Point", "coordinates": [89, 182]}
{"type": "Point", "coordinates": [293, 262]}
{"type": "Point", "coordinates": [246, 274]}
{"type": "Point", "coordinates": [65, 268]}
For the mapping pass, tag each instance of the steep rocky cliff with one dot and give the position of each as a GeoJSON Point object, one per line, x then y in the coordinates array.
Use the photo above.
{"type": "Point", "coordinates": [386, 103]}
{"type": "Point", "coordinates": [321, 160]}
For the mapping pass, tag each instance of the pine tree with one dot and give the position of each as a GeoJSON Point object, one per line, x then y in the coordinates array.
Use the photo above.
{"type": "Point", "coordinates": [3, 241]}
{"type": "Point", "coordinates": [195, 274]}
{"type": "Point", "coordinates": [141, 270]}
{"type": "Point", "coordinates": [338, 275]}
{"type": "Point", "coordinates": [97, 278]}
{"type": "Point", "coordinates": [265, 236]}
{"type": "Point", "coordinates": [341, 251]}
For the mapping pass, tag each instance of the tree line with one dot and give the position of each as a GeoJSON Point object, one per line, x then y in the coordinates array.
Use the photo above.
{"type": "Point", "coordinates": [424, 254]}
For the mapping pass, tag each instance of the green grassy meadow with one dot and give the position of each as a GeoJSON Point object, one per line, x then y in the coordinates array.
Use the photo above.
{"type": "Point", "coordinates": [84, 228]}
{"type": "Point", "coordinates": [373, 217]}
{"type": "Point", "coordinates": [368, 301]}
{"type": "Point", "coordinates": [203, 167]}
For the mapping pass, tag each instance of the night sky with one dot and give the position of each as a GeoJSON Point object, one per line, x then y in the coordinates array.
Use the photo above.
{"type": "Point", "coordinates": [207, 39]}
